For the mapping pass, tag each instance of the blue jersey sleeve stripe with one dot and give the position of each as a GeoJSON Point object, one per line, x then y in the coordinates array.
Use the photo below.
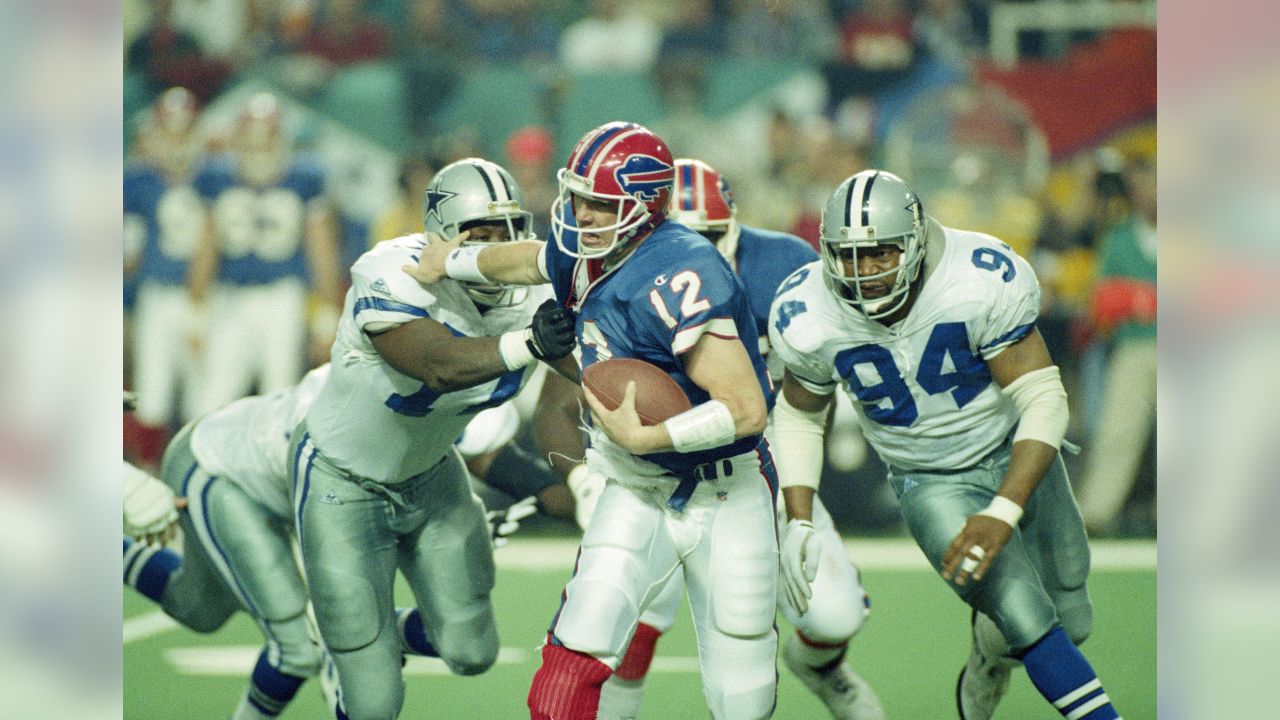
{"type": "Point", "coordinates": [374, 303]}
{"type": "Point", "coordinates": [1012, 336]}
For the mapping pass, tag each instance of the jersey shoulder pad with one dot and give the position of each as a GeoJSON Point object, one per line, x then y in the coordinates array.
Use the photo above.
{"type": "Point", "coordinates": [997, 286]}
{"type": "Point", "coordinates": [380, 284]}
{"type": "Point", "coordinates": [803, 311]}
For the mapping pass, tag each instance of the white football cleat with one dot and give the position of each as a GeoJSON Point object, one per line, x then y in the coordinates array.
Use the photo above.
{"type": "Point", "coordinates": [984, 679]}
{"type": "Point", "coordinates": [842, 690]}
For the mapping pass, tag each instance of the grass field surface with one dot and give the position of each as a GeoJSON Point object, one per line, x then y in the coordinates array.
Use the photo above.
{"type": "Point", "coordinates": [910, 650]}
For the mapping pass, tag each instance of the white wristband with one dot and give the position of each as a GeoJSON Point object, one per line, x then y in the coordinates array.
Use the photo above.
{"type": "Point", "coordinates": [706, 426]}
{"type": "Point", "coordinates": [464, 264]}
{"type": "Point", "coordinates": [514, 349]}
{"type": "Point", "coordinates": [1002, 508]}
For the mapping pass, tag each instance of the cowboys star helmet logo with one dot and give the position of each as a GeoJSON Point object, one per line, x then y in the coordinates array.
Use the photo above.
{"type": "Point", "coordinates": [436, 198]}
{"type": "Point", "coordinates": [643, 177]}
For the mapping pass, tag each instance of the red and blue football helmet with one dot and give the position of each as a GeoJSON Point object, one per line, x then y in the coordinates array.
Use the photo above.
{"type": "Point", "coordinates": [618, 162]}
{"type": "Point", "coordinates": [703, 201]}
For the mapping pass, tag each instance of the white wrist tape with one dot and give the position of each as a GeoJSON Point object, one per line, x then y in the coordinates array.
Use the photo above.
{"type": "Point", "coordinates": [797, 450]}
{"type": "Point", "coordinates": [464, 264]}
{"type": "Point", "coordinates": [1042, 406]}
{"type": "Point", "coordinates": [514, 349]}
{"type": "Point", "coordinates": [709, 425]}
{"type": "Point", "coordinates": [1002, 508]}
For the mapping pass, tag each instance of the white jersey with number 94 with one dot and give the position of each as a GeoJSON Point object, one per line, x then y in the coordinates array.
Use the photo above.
{"type": "Point", "coordinates": [922, 388]}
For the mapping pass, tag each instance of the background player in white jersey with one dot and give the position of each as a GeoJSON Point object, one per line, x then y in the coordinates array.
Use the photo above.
{"type": "Point", "coordinates": [274, 238]}
{"type": "Point", "coordinates": [378, 484]}
{"type": "Point", "coordinates": [932, 331]}
{"type": "Point", "coordinates": [692, 495]}
{"type": "Point", "coordinates": [703, 201]}
{"type": "Point", "coordinates": [230, 466]}
{"type": "Point", "coordinates": [165, 220]}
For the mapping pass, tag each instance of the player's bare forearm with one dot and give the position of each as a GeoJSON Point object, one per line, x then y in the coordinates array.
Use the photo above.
{"type": "Point", "coordinates": [1029, 460]}
{"type": "Point", "coordinates": [515, 263]}
{"type": "Point", "coordinates": [425, 350]}
{"type": "Point", "coordinates": [556, 423]}
{"type": "Point", "coordinates": [799, 501]}
{"type": "Point", "coordinates": [722, 367]}
{"type": "Point", "coordinates": [567, 368]}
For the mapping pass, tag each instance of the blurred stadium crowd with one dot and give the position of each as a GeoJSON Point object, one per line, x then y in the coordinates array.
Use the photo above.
{"type": "Point", "coordinates": [349, 106]}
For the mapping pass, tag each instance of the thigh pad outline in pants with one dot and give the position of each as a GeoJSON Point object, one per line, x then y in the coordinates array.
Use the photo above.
{"type": "Point", "coordinates": [449, 566]}
{"type": "Point", "coordinates": [350, 557]}
{"type": "Point", "coordinates": [661, 613]}
{"type": "Point", "coordinates": [1010, 593]}
{"type": "Point", "coordinates": [255, 558]}
{"type": "Point", "coordinates": [626, 559]}
{"type": "Point", "coordinates": [743, 565]}
{"type": "Point", "coordinates": [839, 603]}
{"type": "Point", "coordinates": [1054, 535]}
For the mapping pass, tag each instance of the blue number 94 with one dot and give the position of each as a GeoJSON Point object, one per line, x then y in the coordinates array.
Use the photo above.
{"type": "Point", "coordinates": [989, 259]}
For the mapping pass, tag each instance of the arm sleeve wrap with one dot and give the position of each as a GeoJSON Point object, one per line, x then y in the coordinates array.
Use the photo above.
{"type": "Point", "coordinates": [1042, 406]}
{"type": "Point", "coordinates": [798, 448]}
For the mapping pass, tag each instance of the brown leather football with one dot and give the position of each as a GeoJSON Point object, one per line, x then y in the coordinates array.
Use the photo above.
{"type": "Point", "coordinates": [658, 397]}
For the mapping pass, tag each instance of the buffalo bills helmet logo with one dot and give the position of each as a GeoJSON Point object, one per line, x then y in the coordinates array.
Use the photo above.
{"type": "Point", "coordinates": [644, 177]}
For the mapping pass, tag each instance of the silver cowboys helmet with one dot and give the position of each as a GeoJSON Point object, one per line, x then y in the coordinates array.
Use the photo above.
{"type": "Point", "coordinates": [471, 192]}
{"type": "Point", "coordinates": [870, 209]}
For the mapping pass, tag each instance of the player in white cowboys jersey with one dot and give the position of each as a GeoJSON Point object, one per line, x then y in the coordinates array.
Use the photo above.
{"type": "Point", "coordinates": [816, 652]}
{"type": "Point", "coordinates": [229, 466]}
{"type": "Point", "coordinates": [932, 331]}
{"type": "Point", "coordinates": [228, 471]}
{"type": "Point", "coordinates": [378, 483]}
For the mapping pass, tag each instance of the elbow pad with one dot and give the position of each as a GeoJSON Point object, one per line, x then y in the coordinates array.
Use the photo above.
{"type": "Point", "coordinates": [1042, 406]}
{"type": "Point", "coordinates": [798, 451]}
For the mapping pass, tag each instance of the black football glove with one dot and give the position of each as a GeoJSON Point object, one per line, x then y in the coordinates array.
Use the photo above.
{"type": "Point", "coordinates": [551, 334]}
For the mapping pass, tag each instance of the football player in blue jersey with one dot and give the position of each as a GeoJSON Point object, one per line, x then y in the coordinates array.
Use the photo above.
{"type": "Point", "coordinates": [931, 330]}
{"type": "Point", "coordinates": [274, 239]}
{"type": "Point", "coordinates": [378, 485]}
{"type": "Point", "coordinates": [692, 495]}
{"type": "Point", "coordinates": [165, 220]}
{"type": "Point", "coordinates": [825, 623]}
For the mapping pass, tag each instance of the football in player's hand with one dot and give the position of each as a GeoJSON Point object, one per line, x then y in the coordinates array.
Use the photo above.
{"type": "Point", "coordinates": [658, 397]}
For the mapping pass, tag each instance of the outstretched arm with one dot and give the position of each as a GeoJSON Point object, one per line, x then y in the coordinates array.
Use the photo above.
{"type": "Point", "coordinates": [427, 350]}
{"type": "Point", "coordinates": [515, 263]}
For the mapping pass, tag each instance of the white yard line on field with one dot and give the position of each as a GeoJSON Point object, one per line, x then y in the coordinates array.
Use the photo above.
{"type": "Point", "coordinates": [873, 554]}
{"type": "Point", "coordinates": [238, 660]}
{"type": "Point", "coordinates": [141, 627]}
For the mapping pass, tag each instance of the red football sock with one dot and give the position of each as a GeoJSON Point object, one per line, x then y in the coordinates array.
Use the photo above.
{"type": "Point", "coordinates": [567, 686]}
{"type": "Point", "coordinates": [635, 664]}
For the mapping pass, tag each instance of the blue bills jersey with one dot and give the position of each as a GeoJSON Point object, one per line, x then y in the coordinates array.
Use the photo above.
{"type": "Point", "coordinates": [763, 259]}
{"type": "Point", "coordinates": [655, 306]}
{"type": "Point", "coordinates": [165, 221]}
{"type": "Point", "coordinates": [260, 231]}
